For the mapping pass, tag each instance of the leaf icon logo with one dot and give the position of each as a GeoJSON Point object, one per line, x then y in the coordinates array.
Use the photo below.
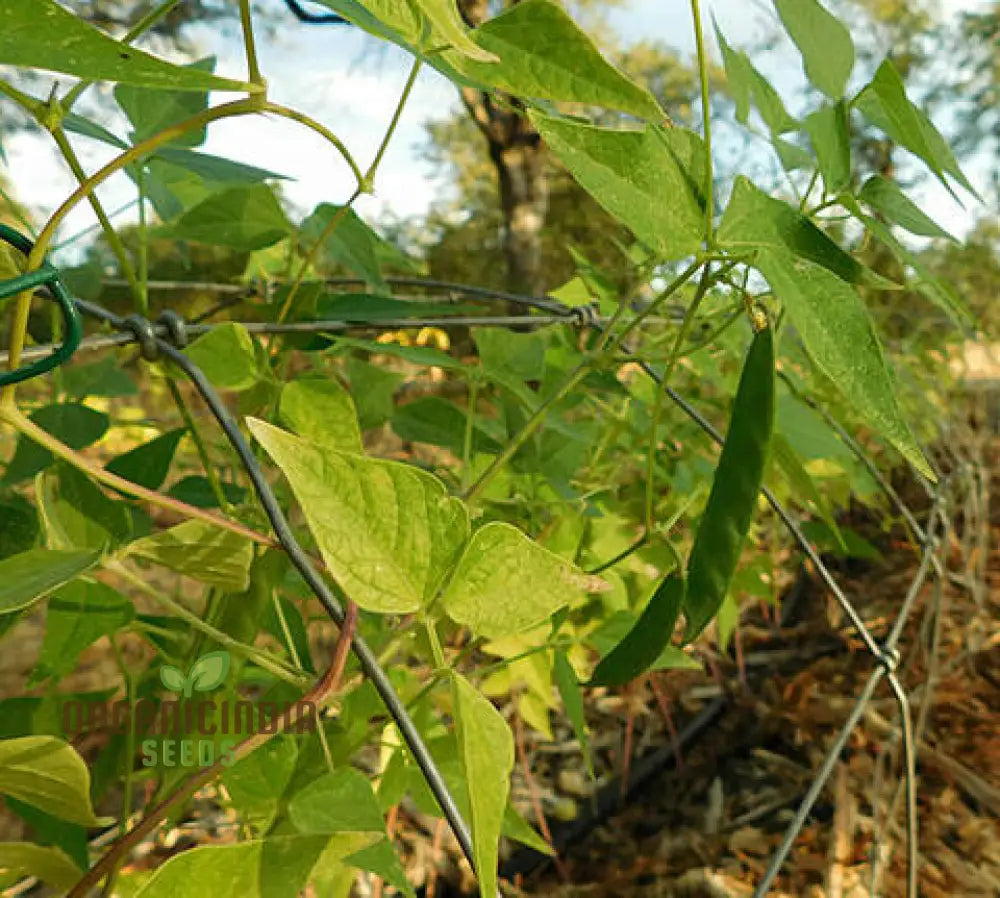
{"type": "Point", "coordinates": [172, 678]}
{"type": "Point", "coordinates": [207, 673]}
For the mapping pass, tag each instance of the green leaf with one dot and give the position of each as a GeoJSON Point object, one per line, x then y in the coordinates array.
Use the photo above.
{"type": "Point", "coordinates": [246, 217]}
{"type": "Point", "coordinates": [885, 197]}
{"type": "Point", "coordinates": [735, 487]}
{"type": "Point", "coordinates": [507, 354]}
{"type": "Point", "coordinates": [825, 44]}
{"type": "Point", "coordinates": [388, 532]}
{"type": "Point", "coordinates": [77, 616]}
{"type": "Point", "coordinates": [753, 220]}
{"type": "Point", "coordinates": [372, 388]}
{"type": "Point", "coordinates": [40, 34]}
{"type": "Point", "coordinates": [401, 23]}
{"type": "Point", "coordinates": [840, 339]}
{"type": "Point", "coordinates": [447, 24]}
{"type": "Point", "coordinates": [739, 75]}
{"type": "Point", "coordinates": [792, 156]}
{"type": "Point", "coordinates": [32, 575]}
{"type": "Point", "coordinates": [200, 551]}
{"type": "Point", "coordinates": [340, 801]}
{"type": "Point", "coordinates": [74, 424]}
{"type": "Point", "coordinates": [321, 411]}
{"type": "Point", "coordinates": [215, 169]}
{"type": "Point", "coordinates": [517, 828]}
{"type": "Point", "coordinates": [415, 355]}
{"type": "Point", "coordinates": [572, 697]}
{"type": "Point", "coordinates": [226, 356]}
{"type": "Point", "coordinates": [365, 307]}
{"type": "Point", "coordinates": [438, 422]}
{"type": "Point", "coordinates": [630, 173]}
{"type": "Point", "coordinates": [51, 865]}
{"type": "Point", "coordinates": [151, 111]}
{"type": "Point", "coordinates": [209, 671]}
{"type": "Point", "coordinates": [486, 750]}
{"type": "Point", "coordinates": [147, 465]}
{"type": "Point", "coordinates": [643, 644]}
{"type": "Point", "coordinates": [828, 131]}
{"type": "Point", "coordinates": [769, 104]}
{"type": "Point", "coordinates": [505, 583]}
{"type": "Point", "coordinates": [802, 484]}
{"type": "Point", "coordinates": [197, 491]}
{"type": "Point", "coordinates": [77, 124]}
{"type": "Point", "coordinates": [276, 867]}
{"type": "Point", "coordinates": [352, 244]}
{"type": "Point", "coordinates": [258, 781]}
{"type": "Point", "coordinates": [935, 290]}
{"type": "Point", "coordinates": [48, 774]}
{"type": "Point", "coordinates": [104, 378]}
{"type": "Point", "coordinates": [543, 54]}
{"type": "Point", "coordinates": [885, 104]}
{"type": "Point", "coordinates": [77, 514]}
{"type": "Point", "coordinates": [382, 860]}
{"type": "Point", "coordinates": [19, 525]}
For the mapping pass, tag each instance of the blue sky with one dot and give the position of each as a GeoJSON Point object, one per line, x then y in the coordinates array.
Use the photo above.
{"type": "Point", "coordinates": [351, 82]}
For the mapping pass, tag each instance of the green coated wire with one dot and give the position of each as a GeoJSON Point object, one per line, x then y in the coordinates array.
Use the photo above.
{"type": "Point", "coordinates": [46, 275]}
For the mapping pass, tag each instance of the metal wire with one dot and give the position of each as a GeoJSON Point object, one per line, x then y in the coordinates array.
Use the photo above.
{"type": "Point", "coordinates": [111, 341]}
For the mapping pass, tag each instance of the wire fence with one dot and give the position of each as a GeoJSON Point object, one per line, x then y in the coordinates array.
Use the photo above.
{"type": "Point", "coordinates": [167, 337]}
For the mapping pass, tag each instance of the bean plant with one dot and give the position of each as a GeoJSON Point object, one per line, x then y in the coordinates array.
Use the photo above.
{"type": "Point", "coordinates": [532, 525]}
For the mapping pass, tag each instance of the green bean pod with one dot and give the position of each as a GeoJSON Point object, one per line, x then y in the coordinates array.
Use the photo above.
{"type": "Point", "coordinates": [649, 636]}
{"type": "Point", "coordinates": [735, 488]}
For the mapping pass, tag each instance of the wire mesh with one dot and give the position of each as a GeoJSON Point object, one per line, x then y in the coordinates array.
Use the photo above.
{"type": "Point", "coordinates": [885, 655]}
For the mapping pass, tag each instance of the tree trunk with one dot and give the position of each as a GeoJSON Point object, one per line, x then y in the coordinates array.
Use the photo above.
{"type": "Point", "coordinates": [516, 150]}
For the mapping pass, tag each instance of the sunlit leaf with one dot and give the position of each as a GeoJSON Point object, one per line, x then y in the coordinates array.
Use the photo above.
{"type": "Point", "coordinates": [276, 867]}
{"type": "Point", "coordinates": [505, 583]}
{"type": "Point", "coordinates": [388, 532]}
{"type": "Point", "coordinates": [41, 34]}
{"type": "Point", "coordinates": [839, 336]}
{"type": "Point", "coordinates": [753, 220]}
{"type": "Point", "coordinates": [226, 357]}
{"type": "Point", "coordinates": [246, 218]}
{"type": "Point", "coordinates": [486, 749]}
{"type": "Point", "coordinates": [201, 551]}
{"type": "Point", "coordinates": [828, 130]}
{"type": "Point", "coordinates": [824, 42]}
{"type": "Point", "coordinates": [887, 198]}
{"type": "Point", "coordinates": [885, 104]}
{"type": "Point", "coordinates": [631, 173]}
{"type": "Point", "coordinates": [48, 774]}
{"type": "Point", "coordinates": [543, 54]}
{"type": "Point", "coordinates": [45, 862]}
{"type": "Point", "coordinates": [29, 576]}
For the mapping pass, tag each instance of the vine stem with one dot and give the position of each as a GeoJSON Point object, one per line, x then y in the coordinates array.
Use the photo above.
{"type": "Point", "coordinates": [319, 695]}
{"type": "Point", "coordinates": [675, 353]}
{"type": "Point", "coordinates": [114, 241]}
{"type": "Point", "coordinates": [706, 119]}
{"type": "Point", "coordinates": [365, 184]}
{"type": "Point", "coordinates": [20, 422]}
{"type": "Point", "coordinates": [261, 659]}
{"type": "Point", "coordinates": [609, 343]}
{"type": "Point", "coordinates": [246, 22]}
{"type": "Point", "coordinates": [19, 326]}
